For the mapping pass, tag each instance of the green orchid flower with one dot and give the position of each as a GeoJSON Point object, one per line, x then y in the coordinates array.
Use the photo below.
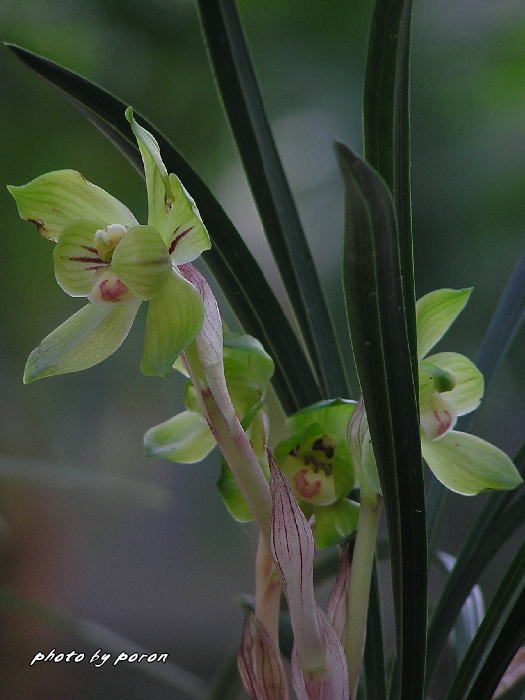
{"type": "Point", "coordinates": [450, 385]}
{"type": "Point", "coordinates": [316, 460]}
{"type": "Point", "coordinates": [103, 254]}
{"type": "Point", "coordinates": [186, 437]}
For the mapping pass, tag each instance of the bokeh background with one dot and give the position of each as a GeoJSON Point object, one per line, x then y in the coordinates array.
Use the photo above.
{"type": "Point", "coordinates": [88, 526]}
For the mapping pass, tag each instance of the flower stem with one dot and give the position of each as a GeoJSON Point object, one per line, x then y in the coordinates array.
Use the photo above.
{"type": "Point", "coordinates": [218, 410]}
{"type": "Point", "coordinates": [359, 589]}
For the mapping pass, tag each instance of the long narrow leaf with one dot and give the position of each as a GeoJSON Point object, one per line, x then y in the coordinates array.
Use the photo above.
{"type": "Point", "coordinates": [375, 672]}
{"type": "Point", "coordinates": [498, 337]}
{"type": "Point", "coordinates": [480, 673]}
{"type": "Point", "coordinates": [375, 307]}
{"type": "Point", "coordinates": [386, 129]}
{"type": "Point", "coordinates": [501, 516]}
{"type": "Point", "coordinates": [93, 633]}
{"type": "Point", "coordinates": [229, 260]}
{"type": "Point", "coordinates": [245, 110]}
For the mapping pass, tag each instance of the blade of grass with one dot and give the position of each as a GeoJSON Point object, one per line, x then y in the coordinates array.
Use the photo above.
{"type": "Point", "coordinates": [506, 320]}
{"type": "Point", "coordinates": [101, 637]}
{"type": "Point", "coordinates": [504, 623]}
{"type": "Point", "coordinates": [230, 261]}
{"type": "Point", "coordinates": [227, 683]}
{"type": "Point", "coordinates": [375, 308]}
{"type": "Point", "coordinates": [244, 107]}
{"type": "Point", "coordinates": [501, 516]}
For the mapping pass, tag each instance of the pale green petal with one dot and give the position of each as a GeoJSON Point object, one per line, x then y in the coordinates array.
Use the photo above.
{"type": "Point", "coordinates": [182, 229]}
{"type": "Point", "coordinates": [438, 417]}
{"type": "Point", "coordinates": [142, 262]}
{"type": "Point", "coordinates": [335, 523]}
{"type": "Point", "coordinates": [185, 438]}
{"type": "Point", "coordinates": [435, 313]}
{"type": "Point", "coordinates": [332, 415]}
{"type": "Point", "coordinates": [468, 465]}
{"type": "Point", "coordinates": [232, 495]}
{"type": "Point", "coordinates": [467, 394]}
{"type": "Point", "coordinates": [157, 181]}
{"type": "Point", "coordinates": [248, 369]}
{"type": "Point", "coordinates": [84, 340]}
{"type": "Point", "coordinates": [76, 259]}
{"type": "Point", "coordinates": [55, 200]}
{"type": "Point", "coordinates": [171, 210]}
{"type": "Point", "coordinates": [174, 318]}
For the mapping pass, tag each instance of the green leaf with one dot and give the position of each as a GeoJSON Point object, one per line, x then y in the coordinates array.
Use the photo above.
{"type": "Point", "coordinates": [468, 465]}
{"type": "Point", "coordinates": [469, 384]}
{"type": "Point", "coordinates": [232, 495]}
{"type": "Point", "coordinates": [76, 260]}
{"type": "Point", "coordinates": [501, 632]}
{"type": "Point", "coordinates": [94, 634]}
{"type": "Point", "coordinates": [435, 313]}
{"type": "Point", "coordinates": [332, 416]}
{"type": "Point", "coordinates": [335, 523]}
{"type": "Point", "coordinates": [142, 262]}
{"type": "Point", "coordinates": [245, 110]}
{"type": "Point", "coordinates": [470, 617]}
{"type": "Point", "coordinates": [234, 267]}
{"type": "Point", "coordinates": [57, 199]}
{"type": "Point", "coordinates": [495, 524]}
{"type": "Point", "coordinates": [84, 340]}
{"type": "Point", "coordinates": [377, 316]}
{"type": "Point", "coordinates": [185, 438]}
{"type": "Point", "coordinates": [174, 319]}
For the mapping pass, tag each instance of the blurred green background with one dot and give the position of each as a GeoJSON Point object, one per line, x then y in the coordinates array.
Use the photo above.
{"type": "Point", "coordinates": [163, 564]}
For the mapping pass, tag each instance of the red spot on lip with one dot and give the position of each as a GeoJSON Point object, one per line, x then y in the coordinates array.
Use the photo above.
{"type": "Point", "coordinates": [112, 290]}
{"type": "Point", "coordinates": [306, 488]}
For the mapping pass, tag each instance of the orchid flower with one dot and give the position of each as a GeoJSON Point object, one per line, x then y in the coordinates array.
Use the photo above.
{"type": "Point", "coordinates": [317, 462]}
{"type": "Point", "coordinates": [450, 385]}
{"type": "Point", "coordinates": [103, 254]}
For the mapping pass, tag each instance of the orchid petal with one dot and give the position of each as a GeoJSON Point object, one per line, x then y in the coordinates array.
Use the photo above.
{"type": "Point", "coordinates": [185, 438]}
{"type": "Point", "coordinates": [232, 495]}
{"type": "Point", "coordinates": [468, 391]}
{"type": "Point", "coordinates": [330, 683]}
{"type": "Point", "coordinates": [332, 415]}
{"type": "Point", "coordinates": [84, 340]}
{"type": "Point", "coordinates": [335, 523]}
{"type": "Point", "coordinates": [76, 260]}
{"type": "Point", "coordinates": [260, 664]}
{"type": "Point", "coordinates": [171, 210]}
{"type": "Point", "coordinates": [142, 262]}
{"type": "Point", "coordinates": [248, 369]}
{"type": "Point", "coordinates": [438, 417]}
{"type": "Point", "coordinates": [292, 547]}
{"type": "Point", "coordinates": [468, 465]}
{"type": "Point", "coordinates": [174, 318]}
{"type": "Point", "coordinates": [435, 313]}
{"type": "Point", "coordinates": [56, 200]}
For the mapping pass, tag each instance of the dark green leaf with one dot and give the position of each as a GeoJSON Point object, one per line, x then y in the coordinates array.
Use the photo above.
{"type": "Point", "coordinates": [502, 631]}
{"type": "Point", "coordinates": [226, 683]}
{"type": "Point", "coordinates": [502, 328]}
{"type": "Point", "coordinates": [376, 314]}
{"type": "Point", "coordinates": [497, 521]}
{"type": "Point", "coordinates": [245, 110]}
{"type": "Point", "coordinates": [470, 616]}
{"type": "Point", "coordinates": [386, 129]}
{"type": "Point", "coordinates": [229, 260]}
{"type": "Point", "coordinates": [93, 633]}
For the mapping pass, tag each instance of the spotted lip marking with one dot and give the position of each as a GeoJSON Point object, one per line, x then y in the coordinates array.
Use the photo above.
{"type": "Point", "coordinates": [306, 488]}
{"type": "Point", "coordinates": [443, 424]}
{"type": "Point", "coordinates": [112, 291]}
